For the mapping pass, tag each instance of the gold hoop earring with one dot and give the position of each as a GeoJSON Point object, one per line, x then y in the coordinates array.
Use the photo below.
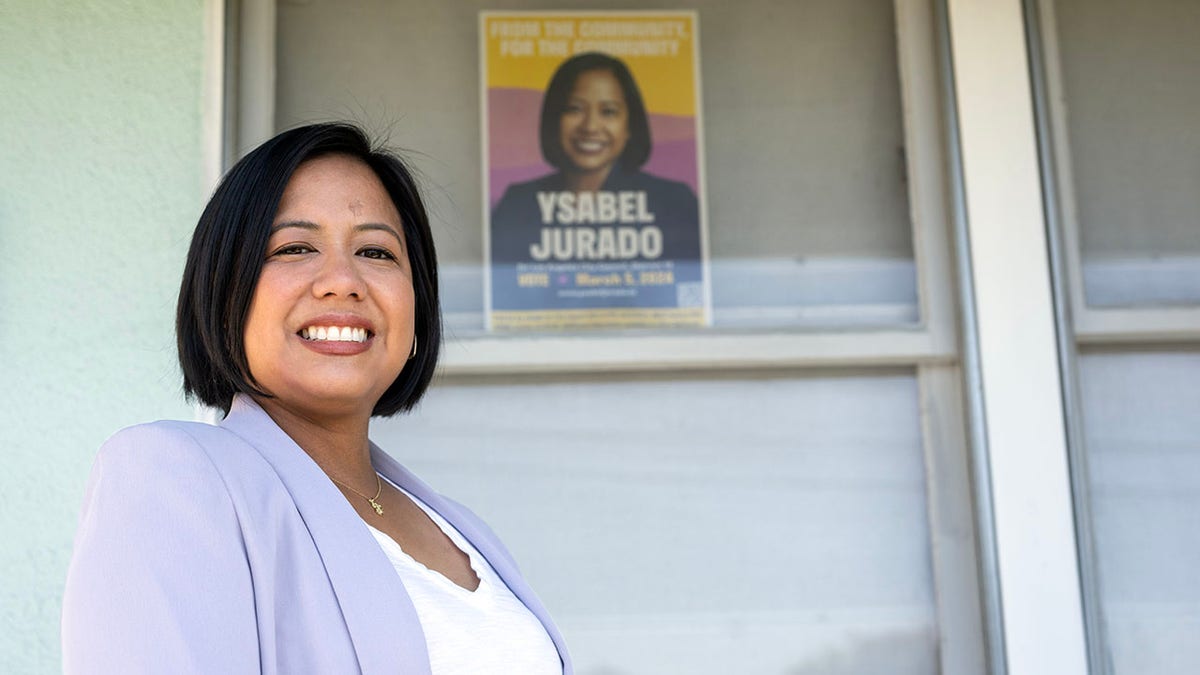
{"type": "Point", "coordinates": [414, 349]}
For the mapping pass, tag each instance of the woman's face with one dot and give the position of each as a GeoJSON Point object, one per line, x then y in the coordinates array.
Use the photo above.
{"type": "Point", "coordinates": [594, 127]}
{"type": "Point", "coordinates": [330, 324]}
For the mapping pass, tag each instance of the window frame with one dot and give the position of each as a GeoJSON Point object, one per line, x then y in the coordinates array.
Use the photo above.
{"type": "Point", "coordinates": [1012, 327]}
{"type": "Point", "coordinates": [250, 117]}
{"type": "Point", "coordinates": [1092, 325]}
{"type": "Point", "coordinates": [1083, 327]}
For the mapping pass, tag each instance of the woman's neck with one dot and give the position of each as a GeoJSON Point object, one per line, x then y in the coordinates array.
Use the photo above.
{"type": "Point", "coordinates": [587, 181]}
{"type": "Point", "coordinates": [338, 444]}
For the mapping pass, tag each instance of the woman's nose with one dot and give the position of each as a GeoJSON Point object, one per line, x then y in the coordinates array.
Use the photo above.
{"type": "Point", "coordinates": [591, 121]}
{"type": "Point", "coordinates": [339, 277]}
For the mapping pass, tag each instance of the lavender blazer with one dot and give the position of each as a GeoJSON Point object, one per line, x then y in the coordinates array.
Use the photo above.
{"type": "Point", "coordinates": [225, 549]}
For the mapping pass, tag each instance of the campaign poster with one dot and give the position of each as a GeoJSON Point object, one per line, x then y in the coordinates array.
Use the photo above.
{"type": "Point", "coordinates": [594, 213]}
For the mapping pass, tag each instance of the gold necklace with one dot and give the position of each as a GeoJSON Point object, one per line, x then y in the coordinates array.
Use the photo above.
{"type": "Point", "coordinates": [374, 504]}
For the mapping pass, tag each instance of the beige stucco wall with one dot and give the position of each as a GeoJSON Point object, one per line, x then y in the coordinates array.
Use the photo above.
{"type": "Point", "coordinates": [100, 186]}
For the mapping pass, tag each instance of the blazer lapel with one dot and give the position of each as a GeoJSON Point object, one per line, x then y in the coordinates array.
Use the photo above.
{"type": "Point", "coordinates": [378, 612]}
{"type": "Point", "coordinates": [480, 537]}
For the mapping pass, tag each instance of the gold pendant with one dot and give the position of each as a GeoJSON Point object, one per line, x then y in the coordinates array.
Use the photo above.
{"type": "Point", "coordinates": [376, 506]}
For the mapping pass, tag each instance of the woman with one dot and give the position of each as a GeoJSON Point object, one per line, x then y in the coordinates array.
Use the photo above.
{"type": "Point", "coordinates": [283, 540]}
{"type": "Point", "coordinates": [594, 130]}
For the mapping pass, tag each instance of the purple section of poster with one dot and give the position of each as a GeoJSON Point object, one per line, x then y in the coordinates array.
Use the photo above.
{"type": "Point", "coordinates": [515, 156]}
{"type": "Point", "coordinates": [513, 116]}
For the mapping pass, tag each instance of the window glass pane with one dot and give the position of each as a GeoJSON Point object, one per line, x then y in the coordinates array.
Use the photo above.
{"type": "Point", "coordinates": [1129, 72]}
{"type": "Point", "coordinates": [733, 526]}
{"type": "Point", "coordinates": [1142, 434]}
{"type": "Point", "coordinates": [808, 213]}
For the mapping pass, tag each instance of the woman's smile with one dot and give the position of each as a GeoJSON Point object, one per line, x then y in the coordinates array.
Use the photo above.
{"type": "Point", "coordinates": [337, 335]}
{"type": "Point", "coordinates": [589, 146]}
{"type": "Point", "coordinates": [334, 334]}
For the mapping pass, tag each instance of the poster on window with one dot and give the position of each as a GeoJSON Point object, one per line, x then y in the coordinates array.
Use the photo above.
{"type": "Point", "coordinates": [594, 213]}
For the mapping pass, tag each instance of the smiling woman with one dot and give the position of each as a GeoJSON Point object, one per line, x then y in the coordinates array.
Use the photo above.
{"type": "Point", "coordinates": [595, 131]}
{"type": "Point", "coordinates": [283, 540]}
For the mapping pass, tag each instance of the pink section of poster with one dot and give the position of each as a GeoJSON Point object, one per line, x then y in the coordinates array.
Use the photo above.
{"type": "Point", "coordinates": [514, 155]}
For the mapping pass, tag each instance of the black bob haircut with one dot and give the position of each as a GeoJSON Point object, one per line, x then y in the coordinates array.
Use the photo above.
{"type": "Point", "coordinates": [637, 149]}
{"type": "Point", "coordinates": [229, 247]}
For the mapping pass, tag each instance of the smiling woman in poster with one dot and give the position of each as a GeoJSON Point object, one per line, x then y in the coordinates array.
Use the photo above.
{"type": "Point", "coordinates": [282, 540]}
{"type": "Point", "coordinates": [595, 131]}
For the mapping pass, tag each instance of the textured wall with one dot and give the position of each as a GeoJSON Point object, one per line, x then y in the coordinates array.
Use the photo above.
{"type": "Point", "coordinates": [100, 185]}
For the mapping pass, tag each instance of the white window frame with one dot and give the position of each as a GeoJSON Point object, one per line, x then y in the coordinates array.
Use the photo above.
{"type": "Point", "coordinates": [1083, 326]}
{"type": "Point", "coordinates": [251, 70]}
{"type": "Point", "coordinates": [1015, 335]}
{"type": "Point", "coordinates": [1094, 325]}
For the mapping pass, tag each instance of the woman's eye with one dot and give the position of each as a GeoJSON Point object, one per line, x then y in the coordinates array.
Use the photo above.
{"type": "Point", "coordinates": [294, 249]}
{"type": "Point", "coordinates": [377, 253]}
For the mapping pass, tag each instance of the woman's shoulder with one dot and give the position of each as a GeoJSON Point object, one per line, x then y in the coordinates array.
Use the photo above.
{"type": "Point", "coordinates": [177, 451]}
{"type": "Point", "coordinates": [168, 438]}
{"type": "Point", "coordinates": [551, 181]}
{"type": "Point", "coordinates": [548, 183]}
{"type": "Point", "coordinates": [162, 434]}
{"type": "Point", "coordinates": [160, 542]}
{"type": "Point", "coordinates": [671, 200]}
{"type": "Point", "coordinates": [651, 182]}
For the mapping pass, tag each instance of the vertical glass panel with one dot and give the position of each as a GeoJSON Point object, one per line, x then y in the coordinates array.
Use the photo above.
{"type": "Point", "coordinates": [1129, 73]}
{"type": "Point", "coordinates": [704, 527]}
{"type": "Point", "coordinates": [807, 193]}
{"type": "Point", "coordinates": [1141, 416]}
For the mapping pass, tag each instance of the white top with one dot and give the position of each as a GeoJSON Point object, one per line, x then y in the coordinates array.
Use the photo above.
{"type": "Point", "coordinates": [487, 630]}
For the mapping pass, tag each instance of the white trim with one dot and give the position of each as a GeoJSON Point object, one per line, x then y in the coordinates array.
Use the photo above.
{"type": "Point", "coordinates": [1022, 398]}
{"type": "Point", "coordinates": [212, 114]}
{"type": "Point", "coordinates": [952, 532]}
{"type": "Point", "coordinates": [255, 105]}
{"type": "Point", "coordinates": [485, 215]}
{"type": "Point", "coordinates": [1147, 298]}
{"type": "Point", "coordinates": [925, 139]}
{"type": "Point", "coordinates": [711, 350]}
{"type": "Point", "coordinates": [1077, 454]}
{"type": "Point", "coordinates": [212, 125]}
{"type": "Point", "coordinates": [701, 170]}
{"type": "Point", "coordinates": [1161, 326]}
{"type": "Point", "coordinates": [976, 429]}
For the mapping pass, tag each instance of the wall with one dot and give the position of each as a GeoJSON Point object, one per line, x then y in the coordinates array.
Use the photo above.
{"type": "Point", "coordinates": [100, 186]}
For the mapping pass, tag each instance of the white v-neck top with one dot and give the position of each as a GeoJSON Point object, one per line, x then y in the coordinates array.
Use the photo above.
{"type": "Point", "coordinates": [484, 631]}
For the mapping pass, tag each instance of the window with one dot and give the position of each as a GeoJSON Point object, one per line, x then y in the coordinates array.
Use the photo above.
{"type": "Point", "coordinates": [826, 205]}
{"type": "Point", "coordinates": [1142, 436]}
{"type": "Point", "coordinates": [1121, 76]}
{"type": "Point", "coordinates": [1117, 104]}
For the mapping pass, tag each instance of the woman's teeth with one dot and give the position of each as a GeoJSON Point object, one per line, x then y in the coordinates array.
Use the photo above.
{"type": "Point", "coordinates": [334, 333]}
